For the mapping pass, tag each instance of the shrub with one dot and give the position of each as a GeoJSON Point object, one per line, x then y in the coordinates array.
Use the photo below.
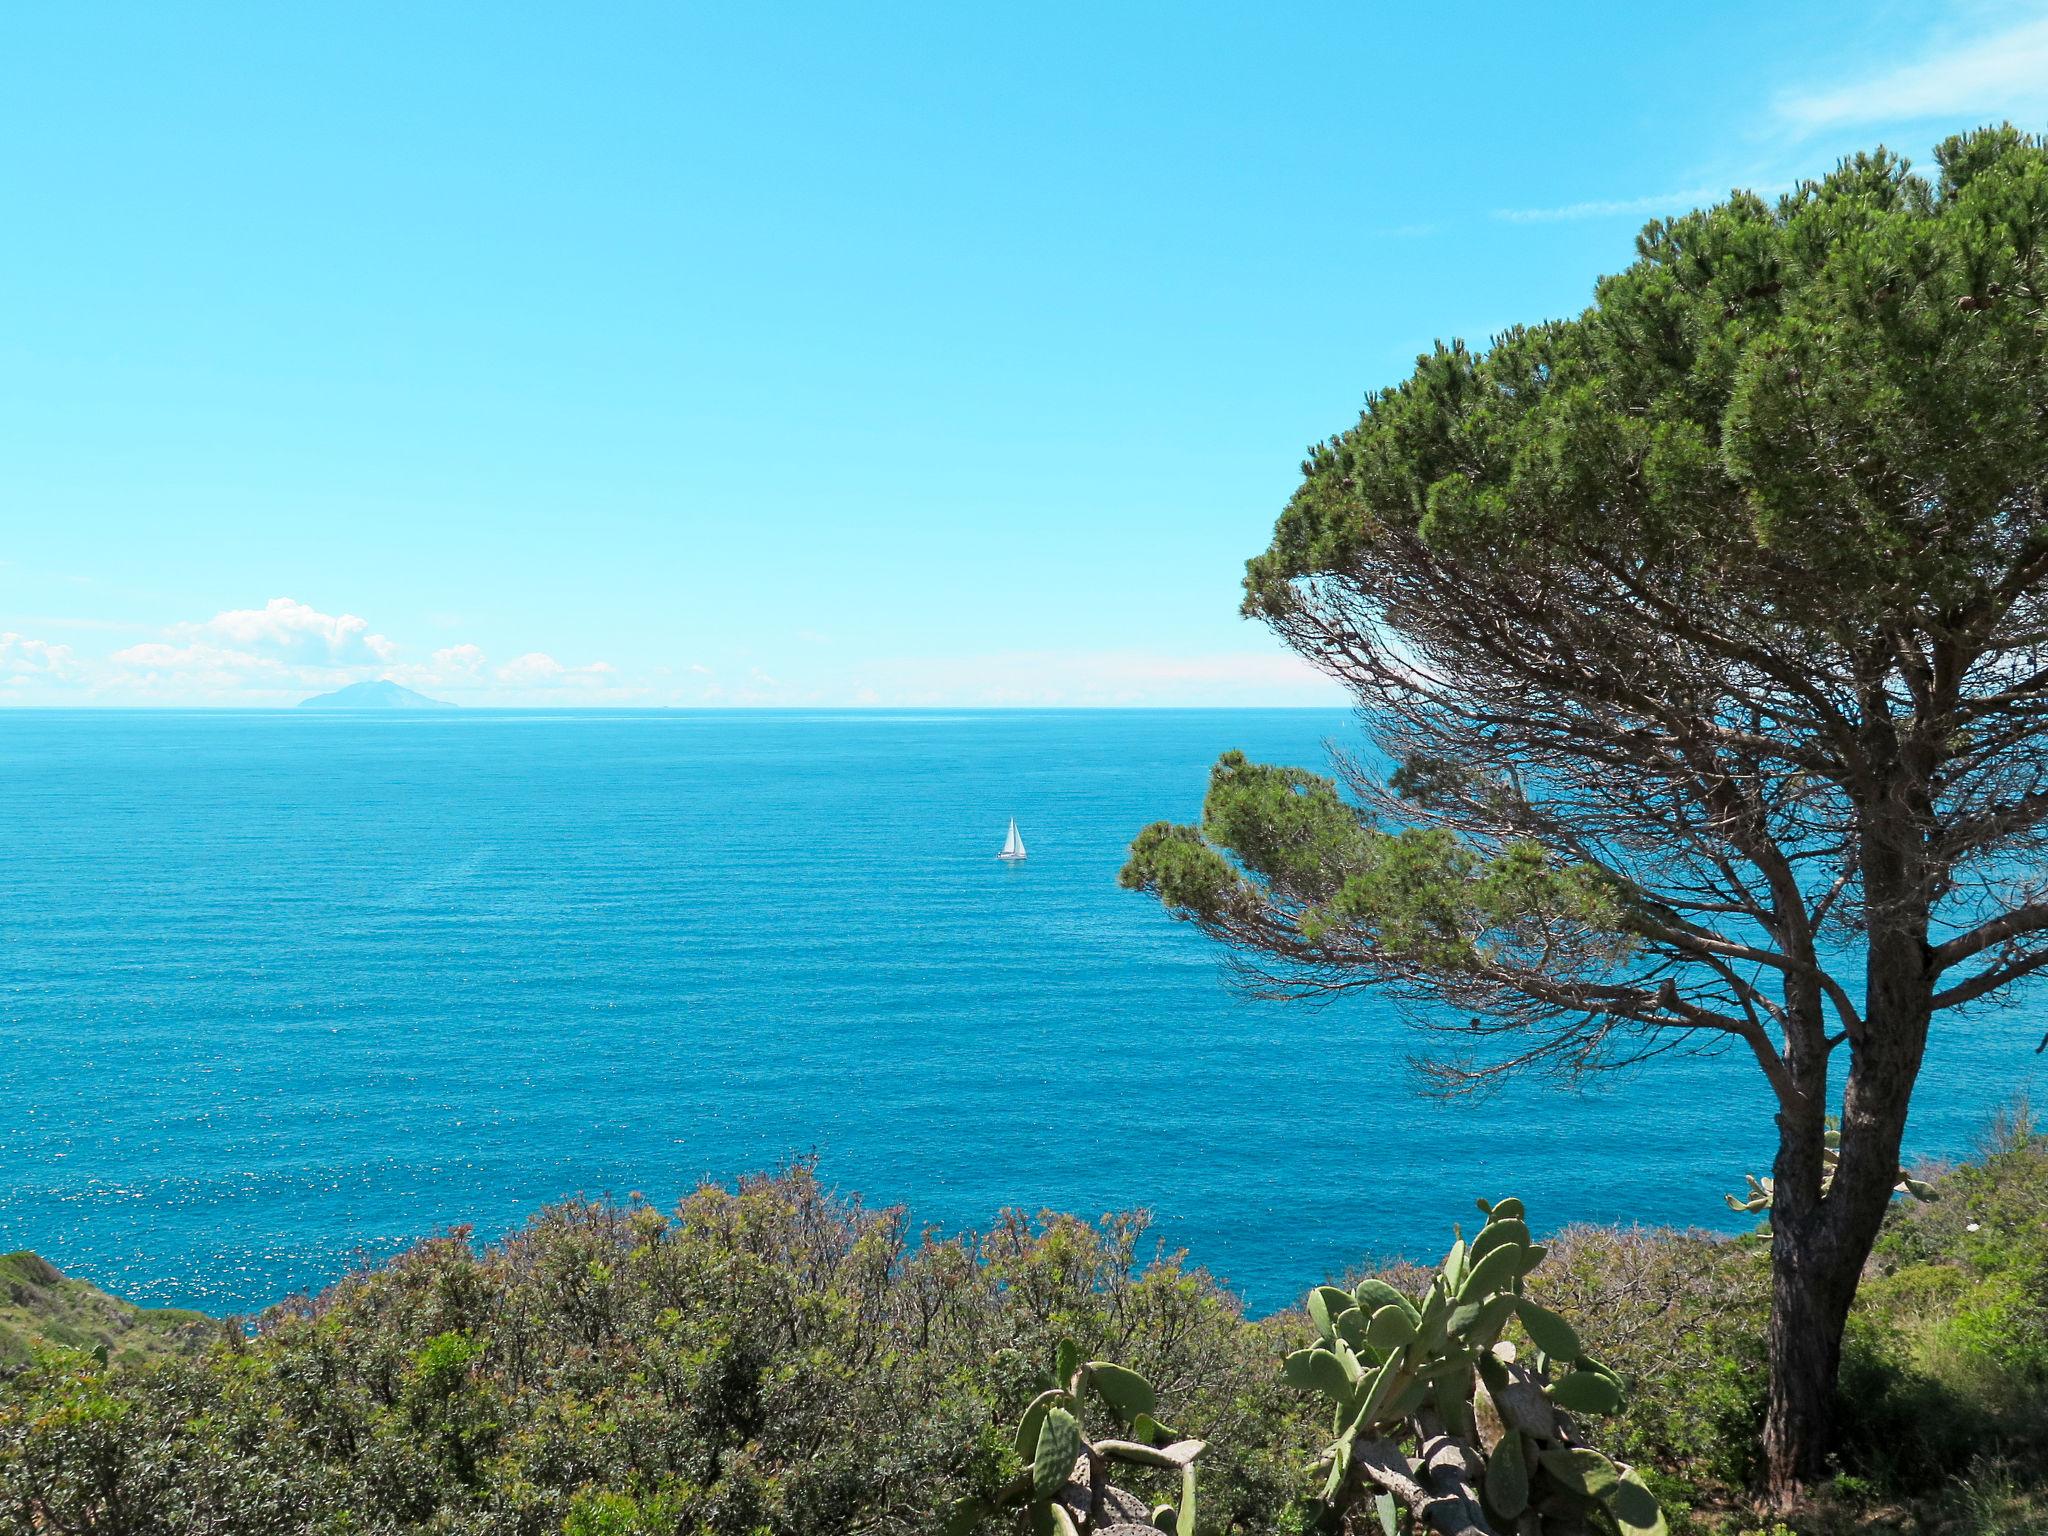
{"type": "Point", "coordinates": [774, 1359]}
{"type": "Point", "coordinates": [769, 1358]}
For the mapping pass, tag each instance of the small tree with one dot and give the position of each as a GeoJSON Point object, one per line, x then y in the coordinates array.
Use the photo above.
{"type": "Point", "coordinates": [1708, 633]}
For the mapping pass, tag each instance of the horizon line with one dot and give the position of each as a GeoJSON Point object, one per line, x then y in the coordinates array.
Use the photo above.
{"type": "Point", "coordinates": [650, 709]}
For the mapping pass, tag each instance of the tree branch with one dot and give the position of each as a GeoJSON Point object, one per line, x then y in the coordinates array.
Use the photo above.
{"type": "Point", "coordinates": [2017, 923]}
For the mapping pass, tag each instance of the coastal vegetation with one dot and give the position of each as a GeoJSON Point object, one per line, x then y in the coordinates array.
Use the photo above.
{"type": "Point", "coordinates": [1705, 636]}
{"type": "Point", "coordinates": [1705, 641]}
{"type": "Point", "coordinates": [40, 1307]}
{"type": "Point", "coordinates": [776, 1359]}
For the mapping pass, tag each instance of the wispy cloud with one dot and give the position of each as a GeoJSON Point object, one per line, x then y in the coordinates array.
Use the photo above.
{"type": "Point", "coordinates": [1051, 679]}
{"type": "Point", "coordinates": [537, 670]}
{"type": "Point", "coordinates": [1982, 78]}
{"type": "Point", "coordinates": [1607, 208]}
{"type": "Point", "coordinates": [459, 660]}
{"type": "Point", "coordinates": [70, 622]}
{"type": "Point", "coordinates": [451, 669]}
{"type": "Point", "coordinates": [2002, 74]}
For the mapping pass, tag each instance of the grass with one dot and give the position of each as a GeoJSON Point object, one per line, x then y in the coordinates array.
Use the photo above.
{"type": "Point", "coordinates": [41, 1307]}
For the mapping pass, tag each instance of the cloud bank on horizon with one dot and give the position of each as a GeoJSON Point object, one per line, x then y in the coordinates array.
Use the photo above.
{"type": "Point", "coordinates": [278, 654]}
{"type": "Point", "coordinates": [288, 650]}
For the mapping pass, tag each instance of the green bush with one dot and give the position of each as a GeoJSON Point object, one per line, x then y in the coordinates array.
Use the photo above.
{"type": "Point", "coordinates": [1946, 1363]}
{"type": "Point", "coordinates": [772, 1359]}
{"type": "Point", "coordinates": [1681, 1317]}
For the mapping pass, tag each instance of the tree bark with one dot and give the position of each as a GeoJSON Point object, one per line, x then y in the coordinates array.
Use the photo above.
{"type": "Point", "coordinates": [1809, 1308]}
{"type": "Point", "coordinates": [1811, 1289]}
{"type": "Point", "coordinates": [1820, 1245]}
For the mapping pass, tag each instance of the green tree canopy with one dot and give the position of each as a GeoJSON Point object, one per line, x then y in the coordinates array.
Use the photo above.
{"type": "Point", "coordinates": [1708, 631]}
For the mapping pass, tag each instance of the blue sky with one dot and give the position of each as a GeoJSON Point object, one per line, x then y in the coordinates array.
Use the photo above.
{"type": "Point", "coordinates": [803, 354]}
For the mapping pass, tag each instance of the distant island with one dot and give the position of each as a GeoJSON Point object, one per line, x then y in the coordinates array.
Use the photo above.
{"type": "Point", "coordinates": [382, 694]}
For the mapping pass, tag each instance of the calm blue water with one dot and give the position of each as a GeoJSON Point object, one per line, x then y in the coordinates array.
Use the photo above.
{"type": "Point", "coordinates": [282, 990]}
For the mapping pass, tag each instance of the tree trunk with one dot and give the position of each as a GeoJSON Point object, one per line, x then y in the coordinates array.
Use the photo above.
{"type": "Point", "coordinates": [1819, 1245]}
{"type": "Point", "coordinates": [1811, 1289]}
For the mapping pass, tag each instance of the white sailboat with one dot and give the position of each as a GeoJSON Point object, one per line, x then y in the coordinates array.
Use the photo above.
{"type": "Point", "coordinates": [1013, 850]}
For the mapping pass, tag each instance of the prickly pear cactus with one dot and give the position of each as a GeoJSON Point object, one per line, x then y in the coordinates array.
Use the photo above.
{"type": "Point", "coordinates": [1064, 1489]}
{"type": "Point", "coordinates": [1406, 1379]}
{"type": "Point", "coordinates": [1762, 1193]}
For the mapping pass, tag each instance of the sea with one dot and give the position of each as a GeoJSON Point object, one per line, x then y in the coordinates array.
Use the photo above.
{"type": "Point", "coordinates": [282, 993]}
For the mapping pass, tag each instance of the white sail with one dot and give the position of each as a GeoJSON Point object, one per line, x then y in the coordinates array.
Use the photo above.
{"type": "Point", "coordinates": [1014, 848]}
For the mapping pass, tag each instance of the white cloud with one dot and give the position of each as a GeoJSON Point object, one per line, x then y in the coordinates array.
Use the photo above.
{"type": "Point", "coordinates": [283, 652]}
{"type": "Point", "coordinates": [157, 669]}
{"type": "Point", "coordinates": [286, 650]}
{"type": "Point", "coordinates": [1661, 203]}
{"type": "Point", "coordinates": [453, 668]}
{"type": "Point", "coordinates": [157, 656]}
{"type": "Point", "coordinates": [27, 663]}
{"type": "Point", "coordinates": [275, 654]}
{"type": "Point", "coordinates": [537, 669]}
{"type": "Point", "coordinates": [285, 627]}
{"type": "Point", "coordinates": [2005, 74]}
{"type": "Point", "coordinates": [533, 667]}
{"type": "Point", "coordinates": [459, 660]}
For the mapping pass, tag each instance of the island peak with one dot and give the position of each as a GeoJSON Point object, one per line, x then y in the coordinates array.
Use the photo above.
{"type": "Point", "coordinates": [381, 694]}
